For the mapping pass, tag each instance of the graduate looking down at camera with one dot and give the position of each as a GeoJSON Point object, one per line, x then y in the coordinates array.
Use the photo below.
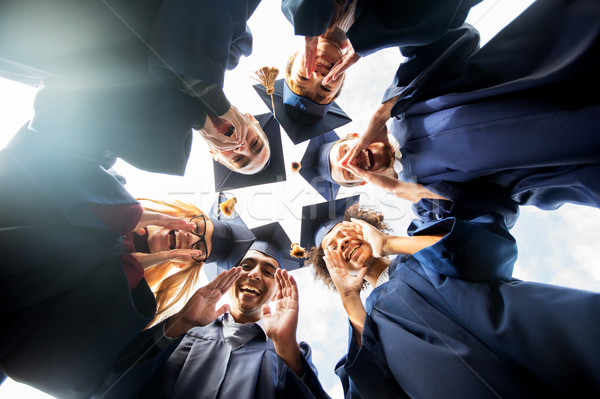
{"type": "Point", "coordinates": [445, 319]}
{"type": "Point", "coordinates": [133, 80]}
{"type": "Point", "coordinates": [88, 282]}
{"type": "Point", "coordinates": [338, 32]}
{"type": "Point", "coordinates": [252, 350]}
{"type": "Point", "coordinates": [462, 114]}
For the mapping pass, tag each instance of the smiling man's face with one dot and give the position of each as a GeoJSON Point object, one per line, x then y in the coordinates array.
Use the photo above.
{"type": "Point", "coordinates": [353, 249]}
{"type": "Point", "coordinates": [255, 287]}
{"type": "Point", "coordinates": [377, 157]}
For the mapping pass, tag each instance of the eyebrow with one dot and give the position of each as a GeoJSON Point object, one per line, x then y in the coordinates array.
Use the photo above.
{"type": "Point", "coordinates": [242, 163]}
{"type": "Point", "coordinates": [260, 145]}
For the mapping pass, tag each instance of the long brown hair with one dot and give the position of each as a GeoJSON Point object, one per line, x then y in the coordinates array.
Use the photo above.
{"type": "Point", "coordinates": [175, 289]}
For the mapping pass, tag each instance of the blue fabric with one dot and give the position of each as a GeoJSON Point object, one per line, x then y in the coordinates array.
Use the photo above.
{"type": "Point", "coordinates": [205, 366]}
{"type": "Point", "coordinates": [62, 282]}
{"type": "Point", "coordinates": [200, 39]}
{"type": "Point", "coordinates": [522, 125]}
{"type": "Point", "coordinates": [381, 24]}
{"type": "Point", "coordinates": [101, 96]}
{"type": "Point", "coordinates": [452, 323]}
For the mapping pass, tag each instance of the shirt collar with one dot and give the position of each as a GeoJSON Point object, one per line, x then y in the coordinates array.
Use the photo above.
{"type": "Point", "coordinates": [227, 319]}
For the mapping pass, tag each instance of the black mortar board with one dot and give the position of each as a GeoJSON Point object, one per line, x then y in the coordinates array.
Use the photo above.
{"type": "Point", "coordinates": [231, 240]}
{"type": "Point", "coordinates": [301, 118]}
{"type": "Point", "coordinates": [272, 240]}
{"type": "Point", "coordinates": [226, 179]}
{"type": "Point", "coordinates": [315, 168]}
{"type": "Point", "coordinates": [319, 219]}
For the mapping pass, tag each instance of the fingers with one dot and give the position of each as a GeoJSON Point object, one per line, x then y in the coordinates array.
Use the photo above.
{"type": "Point", "coordinates": [310, 54]}
{"type": "Point", "coordinates": [362, 273]}
{"type": "Point", "coordinates": [266, 311]}
{"type": "Point", "coordinates": [225, 280]}
{"type": "Point", "coordinates": [278, 290]}
{"type": "Point", "coordinates": [222, 310]}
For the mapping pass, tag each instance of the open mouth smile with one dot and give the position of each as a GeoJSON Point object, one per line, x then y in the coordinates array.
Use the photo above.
{"type": "Point", "coordinates": [325, 63]}
{"type": "Point", "coordinates": [366, 159]}
{"type": "Point", "coordinates": [350, 254]}
{"type": "Point", "coordinates": [249, 290]}
{"type": "Point", "coordinates": [174, 239]}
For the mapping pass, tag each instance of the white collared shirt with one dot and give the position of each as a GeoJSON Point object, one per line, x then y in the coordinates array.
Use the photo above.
{"type": "Point", "coordinates": [237, 334]}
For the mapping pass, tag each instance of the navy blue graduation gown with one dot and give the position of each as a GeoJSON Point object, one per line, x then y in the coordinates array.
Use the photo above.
{"type": "Point", "coordinates": [381, 24]}
{"type": "Point", "coordinates": [116, 90]}
{"type": "Point", "coordinates": [452, 323]}
{"type": "Point", "coordinates": [65, 303]}
{"type": "Point", "coordinates": [514, 112]}
{"type": "Point", "coordinates": [205, 366]}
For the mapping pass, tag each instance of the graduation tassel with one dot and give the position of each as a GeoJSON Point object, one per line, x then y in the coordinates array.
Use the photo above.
{"type": "Point", "coordinates": [297, 251]}
{"type": "Point", "coordinates": [296, 166]}
{"type": "Point", "coordinates": [228, 206]}
{"type": "Point", "coordinates": [266, 76]}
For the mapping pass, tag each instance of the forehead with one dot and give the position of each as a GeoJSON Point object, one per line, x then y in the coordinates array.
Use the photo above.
{"type": "Point", "coordinates": [332, 235]}
{"type": "Point", "coordinates": [263, 260]}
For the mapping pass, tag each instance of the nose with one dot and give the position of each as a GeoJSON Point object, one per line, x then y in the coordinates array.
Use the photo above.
{"type": "Point", "coordinates": [191, 238]}
{"type": "Point", "coordinates": [344, 243]}
{"type": "Point", "coordinates": [255, 273]}
{"type": "Point", "coordinates": [242, 149]}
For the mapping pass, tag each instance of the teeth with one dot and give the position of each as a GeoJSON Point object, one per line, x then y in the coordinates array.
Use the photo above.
{"type": "Point", "coordinates": [252, 290]}
{"type": "Point", "coordinates": [324, 63]}
{"type": "Point", "coordinates": [177, 240]}
{"type": "Point", "coordinates": [367, 160]}
{"type": "Point", "coordinates": [353, 251]}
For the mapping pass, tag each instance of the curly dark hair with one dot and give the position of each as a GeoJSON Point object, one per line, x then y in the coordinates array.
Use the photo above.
{"type": "Point", "coordinates": [315, 255]}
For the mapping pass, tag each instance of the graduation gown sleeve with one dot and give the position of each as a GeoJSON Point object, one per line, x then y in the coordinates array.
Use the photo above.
{"type": "Point", "coordinates": [67, 306]}
{"type": "Point", "coordinates": [200, 39]}
{"type": "Point", "coordinates": [523, 126]}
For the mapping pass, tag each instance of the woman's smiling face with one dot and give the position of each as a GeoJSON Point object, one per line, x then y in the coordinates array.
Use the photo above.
{"type": "Point", "coordinates": [354, 250]}
{"type": "Point", "coordinates": [162, 239]}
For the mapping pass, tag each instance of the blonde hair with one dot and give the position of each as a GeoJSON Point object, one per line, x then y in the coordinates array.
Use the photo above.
{"type": "Point", "coordinates": [173, 290]}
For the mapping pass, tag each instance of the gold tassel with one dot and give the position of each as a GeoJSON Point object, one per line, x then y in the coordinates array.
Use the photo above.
{"type": "Point", "coordinates": [266, 76]}
{"type": "Point", "coordinates": [296, 166]}
{"type": "Point", "coordinates": [297, 251]}
{"type": "Point", "coordinates": [228, 206]}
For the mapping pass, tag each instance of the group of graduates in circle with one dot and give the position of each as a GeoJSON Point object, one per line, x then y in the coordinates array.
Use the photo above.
{"type": "Point", "coordinates": [99, 289]}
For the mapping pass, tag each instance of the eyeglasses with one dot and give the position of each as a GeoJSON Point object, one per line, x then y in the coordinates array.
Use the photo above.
{"type": "Point", "coordinates": [199, 231]}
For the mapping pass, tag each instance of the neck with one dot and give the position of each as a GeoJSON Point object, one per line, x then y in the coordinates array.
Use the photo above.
{"type": "Point", "coordinates": [374, 269]}
{"type": "Point", "coordinates": [243, 318]}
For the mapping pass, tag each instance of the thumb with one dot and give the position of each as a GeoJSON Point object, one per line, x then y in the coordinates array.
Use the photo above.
{"type": "Point", "coordinates": [222, 310]}
{"type": "Point", "coordinates": [266, 311]}
{"type": "Point", "coordinates": [362, 273]}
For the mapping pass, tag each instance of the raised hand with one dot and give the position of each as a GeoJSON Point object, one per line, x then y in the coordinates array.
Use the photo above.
{"type": "Point", "coordinates": [346, 284]}
{"type": "Point", "coordinates": [348, 59]}
{"type": "Point", "coordinates": [374, 237]}
{"type": "Point", "coordinates": [348, 287]}
{"type": "Point", "coordinates": [281, 324]}
{"type": "Point", "coordinates": [226, 132]}
{"type": "Point", "coordinates": [310, 54]}
{"type": "Point", "coordinates": [376, 132]}
{"type": "Point", "coordinates": [200, 308]}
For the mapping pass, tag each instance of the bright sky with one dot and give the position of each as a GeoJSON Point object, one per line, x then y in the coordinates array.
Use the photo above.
{"type": "Point", "coordinates": [556, 247]}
